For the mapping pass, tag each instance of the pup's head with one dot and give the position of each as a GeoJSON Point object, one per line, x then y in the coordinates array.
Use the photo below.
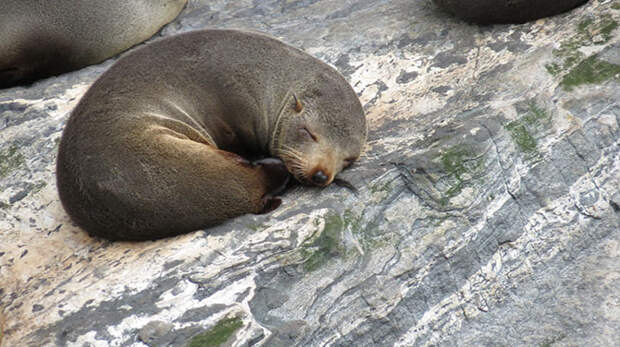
{"type": "Point", "coordinates": [322, 129]}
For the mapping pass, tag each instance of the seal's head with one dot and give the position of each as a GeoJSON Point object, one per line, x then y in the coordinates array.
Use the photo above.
{"type": "Point", "coordinates": [321, 129]}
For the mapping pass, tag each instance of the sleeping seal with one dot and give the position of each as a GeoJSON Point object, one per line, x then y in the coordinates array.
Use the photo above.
{"type": "Point", "coordinates": [506, 11]}
{"type": "Point", "coordinates": [45, 38]}
{"type": "Point", "coordinates": [159, 144]}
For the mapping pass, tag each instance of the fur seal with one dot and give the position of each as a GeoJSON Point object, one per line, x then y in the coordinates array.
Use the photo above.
{"type": "Point", "coordinates": [157, 145]}
{"type": "Point", "coordinates": [506, 11]}
{"type": "Point", "coordinates": [44, 38]}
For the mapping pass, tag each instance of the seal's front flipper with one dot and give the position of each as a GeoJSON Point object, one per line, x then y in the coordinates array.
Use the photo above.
{"type": "Point", "coordinates": [276, 175]}
{"type": "Point", "coordinates": [270, 204]}
{"type": "Point", "coordinates": [345, 184]}
{"type": "Point", "coordinates": [275, 178]}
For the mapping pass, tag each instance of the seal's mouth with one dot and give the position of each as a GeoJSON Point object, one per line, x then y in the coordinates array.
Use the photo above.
{"type": "Point", "coordinates": [296, 168]}
{"type": "Point", "coordinates": [312, 177]}
{"type": "Point", "coordinates": [293, 160]}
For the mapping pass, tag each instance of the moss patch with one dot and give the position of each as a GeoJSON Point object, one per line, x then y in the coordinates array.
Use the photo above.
{"type": "Point", "coordinates": [352, 221]}
{"type": "Point", "coordinates": [550, 341]}
{"type": "Point", "coordinates": [381, 187]}
{"type": "Point", "coordinates": [327, 245]}
{"type": "Point", "coordinates": [521, 129]}
{"type": "Point", "coordinates": [217, 335]}
{"type": "Point", "coordinates": [38, 186]}
{"type": "Point", "coordinates": [572, 65]}
{"type": "Point", "coordinates": [10, 159]}
{"type": "Point", "coordinates": [330, 242]}
{"type": "Point", "coordinates": [589, 71]}
{"type": "Point", "coordinates": [256, 226]}
{"type": "Point", "coordinates": [457, 162]}
{"type": "Point", "coordinates": [452, 162]}
{"type": "Point", "coordinates": [608, 25]}
{"type": "Point", "coordinates": [521, 136]}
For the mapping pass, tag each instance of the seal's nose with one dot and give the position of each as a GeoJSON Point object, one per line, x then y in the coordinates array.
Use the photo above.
{"type": "Point", "coordinates": [319, 178]}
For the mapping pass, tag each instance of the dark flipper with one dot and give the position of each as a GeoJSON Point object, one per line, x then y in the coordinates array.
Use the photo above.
{"type": "Point", "coordinates": [277, 174]}
{"type": "Point", "coordinates": [271, 203]}
{"type": "Point", "coordinates": [277, 179]}
{"type": "Point", "coordinates": [345, 184]}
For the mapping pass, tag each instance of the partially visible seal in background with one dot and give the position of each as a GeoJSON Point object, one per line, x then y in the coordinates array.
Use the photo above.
{"type": "Point", "coordinates": [506, 11]}
{"type": "Point", "coordinates": [41, 38]}
{"type": "Point", "coordinates": [158, 145]}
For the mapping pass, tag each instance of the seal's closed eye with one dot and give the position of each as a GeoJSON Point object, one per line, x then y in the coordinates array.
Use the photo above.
{"type": "Point", "coordinates": [305, 132]}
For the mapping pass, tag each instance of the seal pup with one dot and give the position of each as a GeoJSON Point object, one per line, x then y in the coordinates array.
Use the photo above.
{"type": "Point", "coordinates": [506, 11]}
{"type": "Point", "coordinates": [45, 38]}
{"type": "Point", "coordinates": [158, 145]}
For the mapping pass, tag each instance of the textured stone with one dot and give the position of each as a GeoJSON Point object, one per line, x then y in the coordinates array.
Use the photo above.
{"type": "Point", "coordinates": [152, 332]}
{"type": "Point", "coordinates": [487, 210]}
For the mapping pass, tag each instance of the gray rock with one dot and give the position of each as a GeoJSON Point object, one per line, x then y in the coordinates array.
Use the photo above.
{"type": "Point", "coordinates": [486, 213]}
{"type": "Point", "coordinates": [153, 331]}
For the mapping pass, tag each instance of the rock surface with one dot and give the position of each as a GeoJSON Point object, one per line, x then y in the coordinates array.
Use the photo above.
{"type": "Point", "coordinates": [487, 211]}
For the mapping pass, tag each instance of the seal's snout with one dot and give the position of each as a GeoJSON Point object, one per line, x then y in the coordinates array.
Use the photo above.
{"type": "Point", "coordinates": [320, 178]}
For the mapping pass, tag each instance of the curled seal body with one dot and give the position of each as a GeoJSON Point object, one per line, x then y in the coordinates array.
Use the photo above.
{"type": "Point", "coordinates": [163, 142]}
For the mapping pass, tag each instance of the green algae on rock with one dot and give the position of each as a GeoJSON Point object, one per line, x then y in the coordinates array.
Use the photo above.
{"type": "Point", "coordinates": [460, 163]}
{"type": "Point", "coordinates": [217, 335]}
{"type": "Point", "coordinates": [10, 159]}
{"type": "Point", "coordinates": [326, 245]}
{"type": "Point", "coordinates": [590, 71]}
{"type": "Point", "coordinates": [520, 129]}
{"type": "Point", "coordinates": [573, 66]}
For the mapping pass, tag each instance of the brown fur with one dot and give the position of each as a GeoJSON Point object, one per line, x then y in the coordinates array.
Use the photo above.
{"type": "Point", "coordinates": [44, 38]}
{"type": "Point", "coordinates": [154, 147]}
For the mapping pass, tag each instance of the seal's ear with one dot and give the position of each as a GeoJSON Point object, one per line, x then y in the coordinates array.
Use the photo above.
{"type": "Point", "coordinates": [298, 106]}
